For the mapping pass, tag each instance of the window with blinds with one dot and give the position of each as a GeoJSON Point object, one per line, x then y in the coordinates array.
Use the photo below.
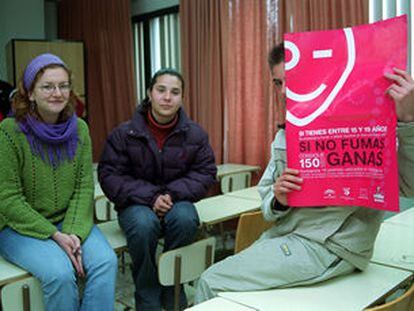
{"type": "Point", "coordinates": [156, 45]}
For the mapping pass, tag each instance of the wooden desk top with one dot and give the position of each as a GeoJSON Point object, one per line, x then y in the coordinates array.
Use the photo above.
{"type": "Point", "coordinates": [113, 234]}
{"type": "Point", "coordinates": [394, 246]}
{"type": "Point", "coordinates": [351, 292]}
{"type": "Point", "coordinates": [232, 168]}
{"type": "Point", "coordinates": [10, 272]}
{"type": "Point", "coordinates": [219, 304]}
{"type": "Point", "coordinates": [404, 218]}
{"type": "Point", "coordinates": [250, 193]}
{"type": "Point", "coordinates": [223, 207]}
{"type": "Point", "coordinates": [98, 190]}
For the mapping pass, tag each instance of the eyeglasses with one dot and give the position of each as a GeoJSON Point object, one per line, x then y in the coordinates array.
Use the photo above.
{"type": "Point", "coordinates": [49, 89]}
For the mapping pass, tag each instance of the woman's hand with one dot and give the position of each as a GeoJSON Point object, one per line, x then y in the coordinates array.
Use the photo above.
{"type": "Point", "coordinates": [71, 245]}
{"type": "Point", "coordinates": [286, 183]}
{"type": "Point", "coordinates": [77, 252]}
{"type": "Point", "coordinates": [162, 205]}
{"type": "Point", "coordinates": [402, 92]}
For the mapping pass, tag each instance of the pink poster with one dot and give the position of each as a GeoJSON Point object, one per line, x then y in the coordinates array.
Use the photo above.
{"type": "Point", "coordinates": [340, 124]}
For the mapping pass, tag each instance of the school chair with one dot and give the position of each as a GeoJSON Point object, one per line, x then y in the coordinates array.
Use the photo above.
{"type": "Point", "coordinates": [185, 264]}
{"type": "Point", "coordinates": [104, 210]}
{"type": "Point", "coordinates": [403, 303]}
{"type": "Point", "coordinates": [230, 183]}
{"type": "Point", "coordinates": [249, 228]}
{"type": "Point", "coordinates": [236, 181]}
{"type": "Point", "coordinates": [22, 295]}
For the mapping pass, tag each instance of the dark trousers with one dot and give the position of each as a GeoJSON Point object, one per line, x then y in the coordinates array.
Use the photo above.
{"type": "Point", "coordinates": [143, 228]}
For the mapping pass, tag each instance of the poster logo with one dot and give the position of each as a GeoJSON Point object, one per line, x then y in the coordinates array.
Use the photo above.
{"type": "Point", "coordinates": [320, 106]}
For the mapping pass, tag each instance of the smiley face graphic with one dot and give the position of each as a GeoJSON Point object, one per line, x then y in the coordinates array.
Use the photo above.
{"type": "Point", "coordinates": [316, 71]}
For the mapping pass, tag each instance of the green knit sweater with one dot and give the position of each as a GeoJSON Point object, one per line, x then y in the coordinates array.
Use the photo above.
{"type": "Point", "coordinates": [34, 196]}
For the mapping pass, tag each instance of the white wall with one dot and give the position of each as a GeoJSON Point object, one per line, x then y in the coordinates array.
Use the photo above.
{"type": "Point", "coordinates": [51, 20]}
{"type": "Point", "coordinates": [19, 19]}
{"type": "Point", "coordinates": [37, 19]}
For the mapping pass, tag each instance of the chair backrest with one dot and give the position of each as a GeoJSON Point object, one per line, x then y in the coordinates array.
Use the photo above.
{"type": "Point", "coordinates": [237, 181]}
{"type": "Point", "coordinates": [104, 209]}
{"type": "Point", "coordinates": [249, 228]}
{"type": "Point", "coordinates": [95, 172]}
{"type": "Point", "coordinates": [22, 295]}
{"type": "Point", "coordinates": [403, 303]}
{"type": "Point", "coordinates": [193, 258]}
{"type": "Point", "coordinates": [185, 264]}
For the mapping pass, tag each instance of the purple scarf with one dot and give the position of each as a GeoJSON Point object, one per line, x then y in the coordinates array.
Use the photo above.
{"type": "Point", "coordinates": [54, 143]}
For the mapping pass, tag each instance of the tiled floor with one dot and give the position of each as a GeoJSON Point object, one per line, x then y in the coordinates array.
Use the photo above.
{"type": "Point", "coordinates": [124, 288]}
{"type": "Point", "coordinates": [125, 292]}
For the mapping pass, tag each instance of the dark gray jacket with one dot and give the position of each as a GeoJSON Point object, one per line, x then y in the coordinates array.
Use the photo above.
{"type": "Point", "coordinates": [132, 170]}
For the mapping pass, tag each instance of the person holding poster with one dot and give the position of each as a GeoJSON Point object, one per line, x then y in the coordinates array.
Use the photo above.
{"type": "Point", "coordinates": [312, 244]}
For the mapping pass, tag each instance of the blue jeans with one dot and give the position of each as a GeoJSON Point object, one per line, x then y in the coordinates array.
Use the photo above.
{"type": "Point", "coordinates": [143, 228]}
{"type": "Point", "coordinates": [49, 263]}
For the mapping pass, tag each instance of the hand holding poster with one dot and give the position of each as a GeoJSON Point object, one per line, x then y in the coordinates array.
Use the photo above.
{"type": "Point", "coordinates": [340, 124]}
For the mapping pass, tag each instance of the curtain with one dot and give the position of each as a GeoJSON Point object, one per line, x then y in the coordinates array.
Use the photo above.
{"type": "Point", "coordinates": [105, 28]}
{"type": "Point", "coordinates": [224, 48]}
{"type": "Point", "coordinates": [304, 15]}
{"type": "Point", "coordinates": [203, 48]}
{"type": "Point", "coordinates": [251, 114]}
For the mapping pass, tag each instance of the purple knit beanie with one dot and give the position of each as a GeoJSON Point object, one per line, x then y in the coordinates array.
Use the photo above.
{"type": "Point", "coordinates": [37, 64]}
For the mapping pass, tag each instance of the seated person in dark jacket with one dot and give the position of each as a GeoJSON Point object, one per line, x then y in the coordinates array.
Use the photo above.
{"type": "Point", "coordinates": [153, 168]}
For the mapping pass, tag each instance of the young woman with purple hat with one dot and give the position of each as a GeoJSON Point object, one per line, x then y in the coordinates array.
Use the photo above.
{"type": "Point", "coordinates": [46, 193]}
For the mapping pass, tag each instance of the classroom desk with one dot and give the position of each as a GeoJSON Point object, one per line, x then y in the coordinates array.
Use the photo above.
{"type": "Point", "coordinates": [211, 210]}
{"type": "Point", "coordinates": [232, 168]}
{"type": "Point", "coordinates": [394, 246]}
{"type": "Point", "coordinates": [223, 207]}
{"type": "Point", "coordinates": [10, 272]}
{"type": "Point", "coordinates": [113, 234]}
{"type": "Point", "coordinates": [348, 293]}
{"type": "Point", "coordinates": [404, 218]}
{"type": "Point", "coordinates": [104, 209]}
{"type": "Point", "coordinates": [95, 172]}
{"type": "Point", "coordinates": [219, 304]}
{"type": "Point", "coordinates": [250, 193]}
{"type": "Point", "coordinates": [98, 190]}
